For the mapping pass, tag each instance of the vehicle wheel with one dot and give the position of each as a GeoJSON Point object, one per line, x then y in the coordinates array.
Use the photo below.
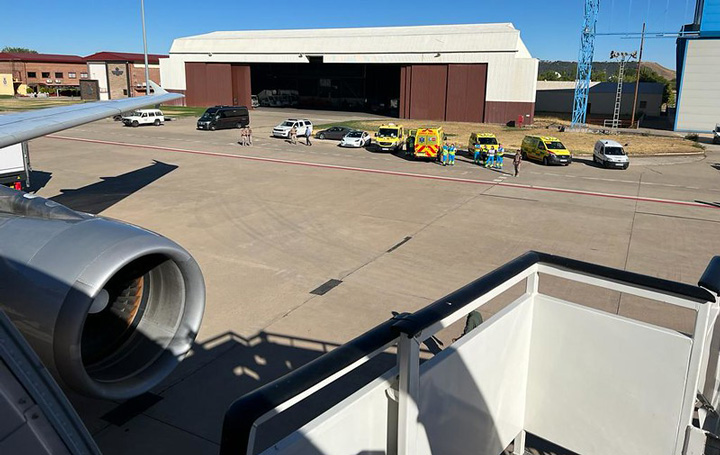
{"type": "Point", "coordinates": [156, 122]}
{"type": "Point", "coordinates": [212, 128]}
{"type": "Point", "coordinates": [524, 155]}
{"type": "Point", "coordinates": [135, 124]}
{"type": "Point", "coordinates": [322, 136]}
{"type": "Point", "coordinates": [545, 161]}
{"type": "Point", "coordinates": [605, 164]}
{"type": "Point", "coordinates": [238, 125]}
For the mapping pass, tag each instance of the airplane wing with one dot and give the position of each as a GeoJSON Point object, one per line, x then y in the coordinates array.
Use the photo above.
{"type": "Point", "coordinates": [22, 126]}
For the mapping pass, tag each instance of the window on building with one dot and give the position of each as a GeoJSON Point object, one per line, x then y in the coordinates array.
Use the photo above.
{"type": "Point", "coordinates": [46, 74]}
{"type": "Point", "coordinates": [125, 91]}
{"type": "Point", "coordinates": [58, 75]}
{"type": "Point", "coordinates": [72, 75]}
{"type": "Point", "coordinates": [643, 104]}
{"type": "Point", "coordinates": [32, 74]}
{"type": "Point", "coordinates": [83, 75]}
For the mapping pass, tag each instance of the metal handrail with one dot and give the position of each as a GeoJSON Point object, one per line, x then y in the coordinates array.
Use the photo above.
{"type": "Point", "coordinates": [243, 414]}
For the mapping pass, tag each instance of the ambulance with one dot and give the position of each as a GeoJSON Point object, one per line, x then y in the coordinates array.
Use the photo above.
{"type": "Point", "coordinates": [481, 141]}
{"type": "Point", "coordinates": [425, 142]}
{"type": "Point", "coordinates": [390, 137]}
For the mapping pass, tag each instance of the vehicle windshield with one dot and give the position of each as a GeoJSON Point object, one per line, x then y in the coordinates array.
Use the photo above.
{"type": "Point", "coordinates": [289, 124]}
{"type": "Point", "coordinates": [614, 151]}
{"type": "Point", "coordinates": [132, 114]}
{"type": "Point", "coordinates": [717, 129]}
{"type": "Point", "coordinates": [486, 141]}
{"type": "Point", "coordinates": [388, 132]}
{"type": "Point", "coordinates": [355, 134]}
{"type": "Point", "coordinates": [554, 145]}
{"type": "Point", "coordinates": [208, 113]}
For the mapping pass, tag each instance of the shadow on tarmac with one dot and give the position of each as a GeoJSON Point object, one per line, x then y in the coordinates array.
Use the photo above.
{"type": "Point", "coordinates": [100, 196]}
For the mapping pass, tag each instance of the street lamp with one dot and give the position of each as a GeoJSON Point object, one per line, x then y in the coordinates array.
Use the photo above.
{"type": "Point", "coordinates": [147, 71]}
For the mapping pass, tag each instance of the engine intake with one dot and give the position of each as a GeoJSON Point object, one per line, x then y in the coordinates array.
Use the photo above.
{"type": "Point", "coordinates": [110, 308]}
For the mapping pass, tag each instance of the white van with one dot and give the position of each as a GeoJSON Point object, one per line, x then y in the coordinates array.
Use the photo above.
{"type": "Point", "coordinates": [144, 117]}
{"type": "Point", "coordinates": [610, 154]}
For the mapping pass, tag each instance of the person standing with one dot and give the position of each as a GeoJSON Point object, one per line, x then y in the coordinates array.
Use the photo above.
{"type": "Point", "coordinates": [451, 154]}
{"type": "Point", "coordinates": [499, 155]}
{"type": "Point", "coordinates": [490, 162]}
{"type": "Point", "coordinates": [445, 152]}
{"type": "Point", "coordinates": [293, 135]}
{"type": "Point", "coordinates": [308, 134]}
{"type": "Point", "coordinates": [517, 159]}
{"type": "Point", "coordinates": [248, 132]}
{"type": "Point", "coordinates": [476, 155]}
{"type": "Point", "coordinates": [242, 137]}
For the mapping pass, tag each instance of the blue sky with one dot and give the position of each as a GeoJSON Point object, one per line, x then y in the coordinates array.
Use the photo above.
{"type": "Point", "coordinates": [550, 29]}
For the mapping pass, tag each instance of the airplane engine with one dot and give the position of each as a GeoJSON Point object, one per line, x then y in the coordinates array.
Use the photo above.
{"type": "Point", "coordinates": [109, 307]}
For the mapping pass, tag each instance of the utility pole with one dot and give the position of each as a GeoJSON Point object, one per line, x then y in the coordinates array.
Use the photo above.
{"type": "Point", "coordinates": [623, 57]}
{"type": "Point", "coordinates": [584, 67]}
{"type": "Point", "coordinates": [147, 70]}
{"type": "Point", "coordinates": [637, 80]}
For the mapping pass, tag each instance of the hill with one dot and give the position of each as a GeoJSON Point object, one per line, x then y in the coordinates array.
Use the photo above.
{"type": "Point", "coordinates": [609, 68]}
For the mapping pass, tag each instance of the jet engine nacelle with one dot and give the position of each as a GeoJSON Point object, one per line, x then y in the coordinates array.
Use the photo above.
{"type": "Point", "coordinates": [109, 307]}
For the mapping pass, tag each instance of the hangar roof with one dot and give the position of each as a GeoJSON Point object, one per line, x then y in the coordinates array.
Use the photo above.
{"type": "Point", "coordinates": [502, 37]}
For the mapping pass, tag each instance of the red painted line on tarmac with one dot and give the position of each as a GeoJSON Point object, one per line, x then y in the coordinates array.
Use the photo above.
{"type": "Point", "coordinates": [395, 173]}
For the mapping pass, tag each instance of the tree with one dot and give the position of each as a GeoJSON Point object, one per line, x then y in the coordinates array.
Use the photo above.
{"type": "Point", "coordinates": [648, 75]}
{"type": "Point", "coordinates": [19, 50]}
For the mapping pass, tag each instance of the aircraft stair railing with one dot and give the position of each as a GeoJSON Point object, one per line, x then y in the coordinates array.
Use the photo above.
{"type": "Point", "coordinates": [589, 381]}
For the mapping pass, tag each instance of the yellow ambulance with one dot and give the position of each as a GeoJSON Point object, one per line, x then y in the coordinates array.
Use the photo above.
{"type": "Point", "coordinates": [390, 137]}
{"type": "Point", "coordinates": [425, 142]}
{"type": "Point", "coordinates": [481, 141]}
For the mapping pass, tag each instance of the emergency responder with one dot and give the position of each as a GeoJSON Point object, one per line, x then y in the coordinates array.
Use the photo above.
{"type": "Point", "coordinates": [499, 157]}
{"type": "Point", "coordinates": [445, 152]}
{"type": "Point", "coordinates": [451, 154]}
{"type": "Point", "coordinates": [477, 154]}
{"type": "Point", "coordinates": [490, 162]}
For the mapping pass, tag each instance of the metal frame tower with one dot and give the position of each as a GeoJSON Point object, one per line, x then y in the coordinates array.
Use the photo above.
{"type": "Point", "coordinates": [584, 67]}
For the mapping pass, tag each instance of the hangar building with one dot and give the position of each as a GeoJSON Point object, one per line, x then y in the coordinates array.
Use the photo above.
{"type": "Point", "coordinates": [475, 72]}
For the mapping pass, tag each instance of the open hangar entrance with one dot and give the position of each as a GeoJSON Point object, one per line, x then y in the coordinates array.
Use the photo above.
{"type": "Point", "coordinates": [370, 88]}
{"type": "Point", "coordinates": [437, 92]}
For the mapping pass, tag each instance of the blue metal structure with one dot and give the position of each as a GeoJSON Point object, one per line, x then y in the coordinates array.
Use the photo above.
{"type": "Point", "coordinates": [584, 68]}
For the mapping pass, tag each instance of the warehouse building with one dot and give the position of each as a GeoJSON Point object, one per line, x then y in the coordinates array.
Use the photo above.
{"type": "Point", "coordinates": [698, 64]}
{"type": "Point", "coordinates": [476, 72]}
{"type": "Point", "coordinates": [558, 96]}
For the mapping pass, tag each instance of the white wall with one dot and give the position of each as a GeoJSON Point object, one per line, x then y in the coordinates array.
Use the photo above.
{"type": "Point", "coordinates": [601, 384]}
{"type": "Point", "coordinates": [472, 395]}
{"type": "Point", "coordinates": [699, 96]}
{"type": "Point", "coordinates": [98, 71]}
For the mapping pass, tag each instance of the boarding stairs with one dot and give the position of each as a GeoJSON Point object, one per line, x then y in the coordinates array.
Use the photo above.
{"type": "Point", "coordinates": [590, 381]}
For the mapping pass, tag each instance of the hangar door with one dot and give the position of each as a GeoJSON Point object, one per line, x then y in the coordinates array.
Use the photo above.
{"type": "Point", "coordinates": [209, 84]}
{"type": "Point", "coordinates": [453, 92]}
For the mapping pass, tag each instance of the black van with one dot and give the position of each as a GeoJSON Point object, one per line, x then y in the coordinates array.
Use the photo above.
{"type": "Point", "coordinates": [219, 117]}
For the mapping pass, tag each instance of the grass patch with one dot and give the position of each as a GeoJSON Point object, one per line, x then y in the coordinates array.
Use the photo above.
{"type": "Point", "coordinates": [183, 111]}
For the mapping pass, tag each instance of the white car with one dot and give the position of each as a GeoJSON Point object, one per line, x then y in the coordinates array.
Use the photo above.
{"type": "Point", "coordinates": [610, 154]}
{"type": "Point", "coordinates": [283, 129]}
{"type": "Point", "coordinates": [355, 139]}
{"type": "Point", "coordinates": [144, 117]}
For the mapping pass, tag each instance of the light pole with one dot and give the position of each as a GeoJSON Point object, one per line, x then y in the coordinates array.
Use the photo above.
{"type": "Point", "coordinates": [147, 70]}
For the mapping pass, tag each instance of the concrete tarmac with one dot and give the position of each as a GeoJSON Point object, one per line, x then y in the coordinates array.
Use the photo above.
{"type": "Point", "coordinates": [270, 223]}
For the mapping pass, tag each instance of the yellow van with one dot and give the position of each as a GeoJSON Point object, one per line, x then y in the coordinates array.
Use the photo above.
{"type": "Point", "coordinates": [547, 149]}
{"type": "Point", "coordinates": [481, 141]}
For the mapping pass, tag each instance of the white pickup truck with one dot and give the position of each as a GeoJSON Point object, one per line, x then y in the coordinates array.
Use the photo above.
{"type": "Point", "coordinates": [15, 166]}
